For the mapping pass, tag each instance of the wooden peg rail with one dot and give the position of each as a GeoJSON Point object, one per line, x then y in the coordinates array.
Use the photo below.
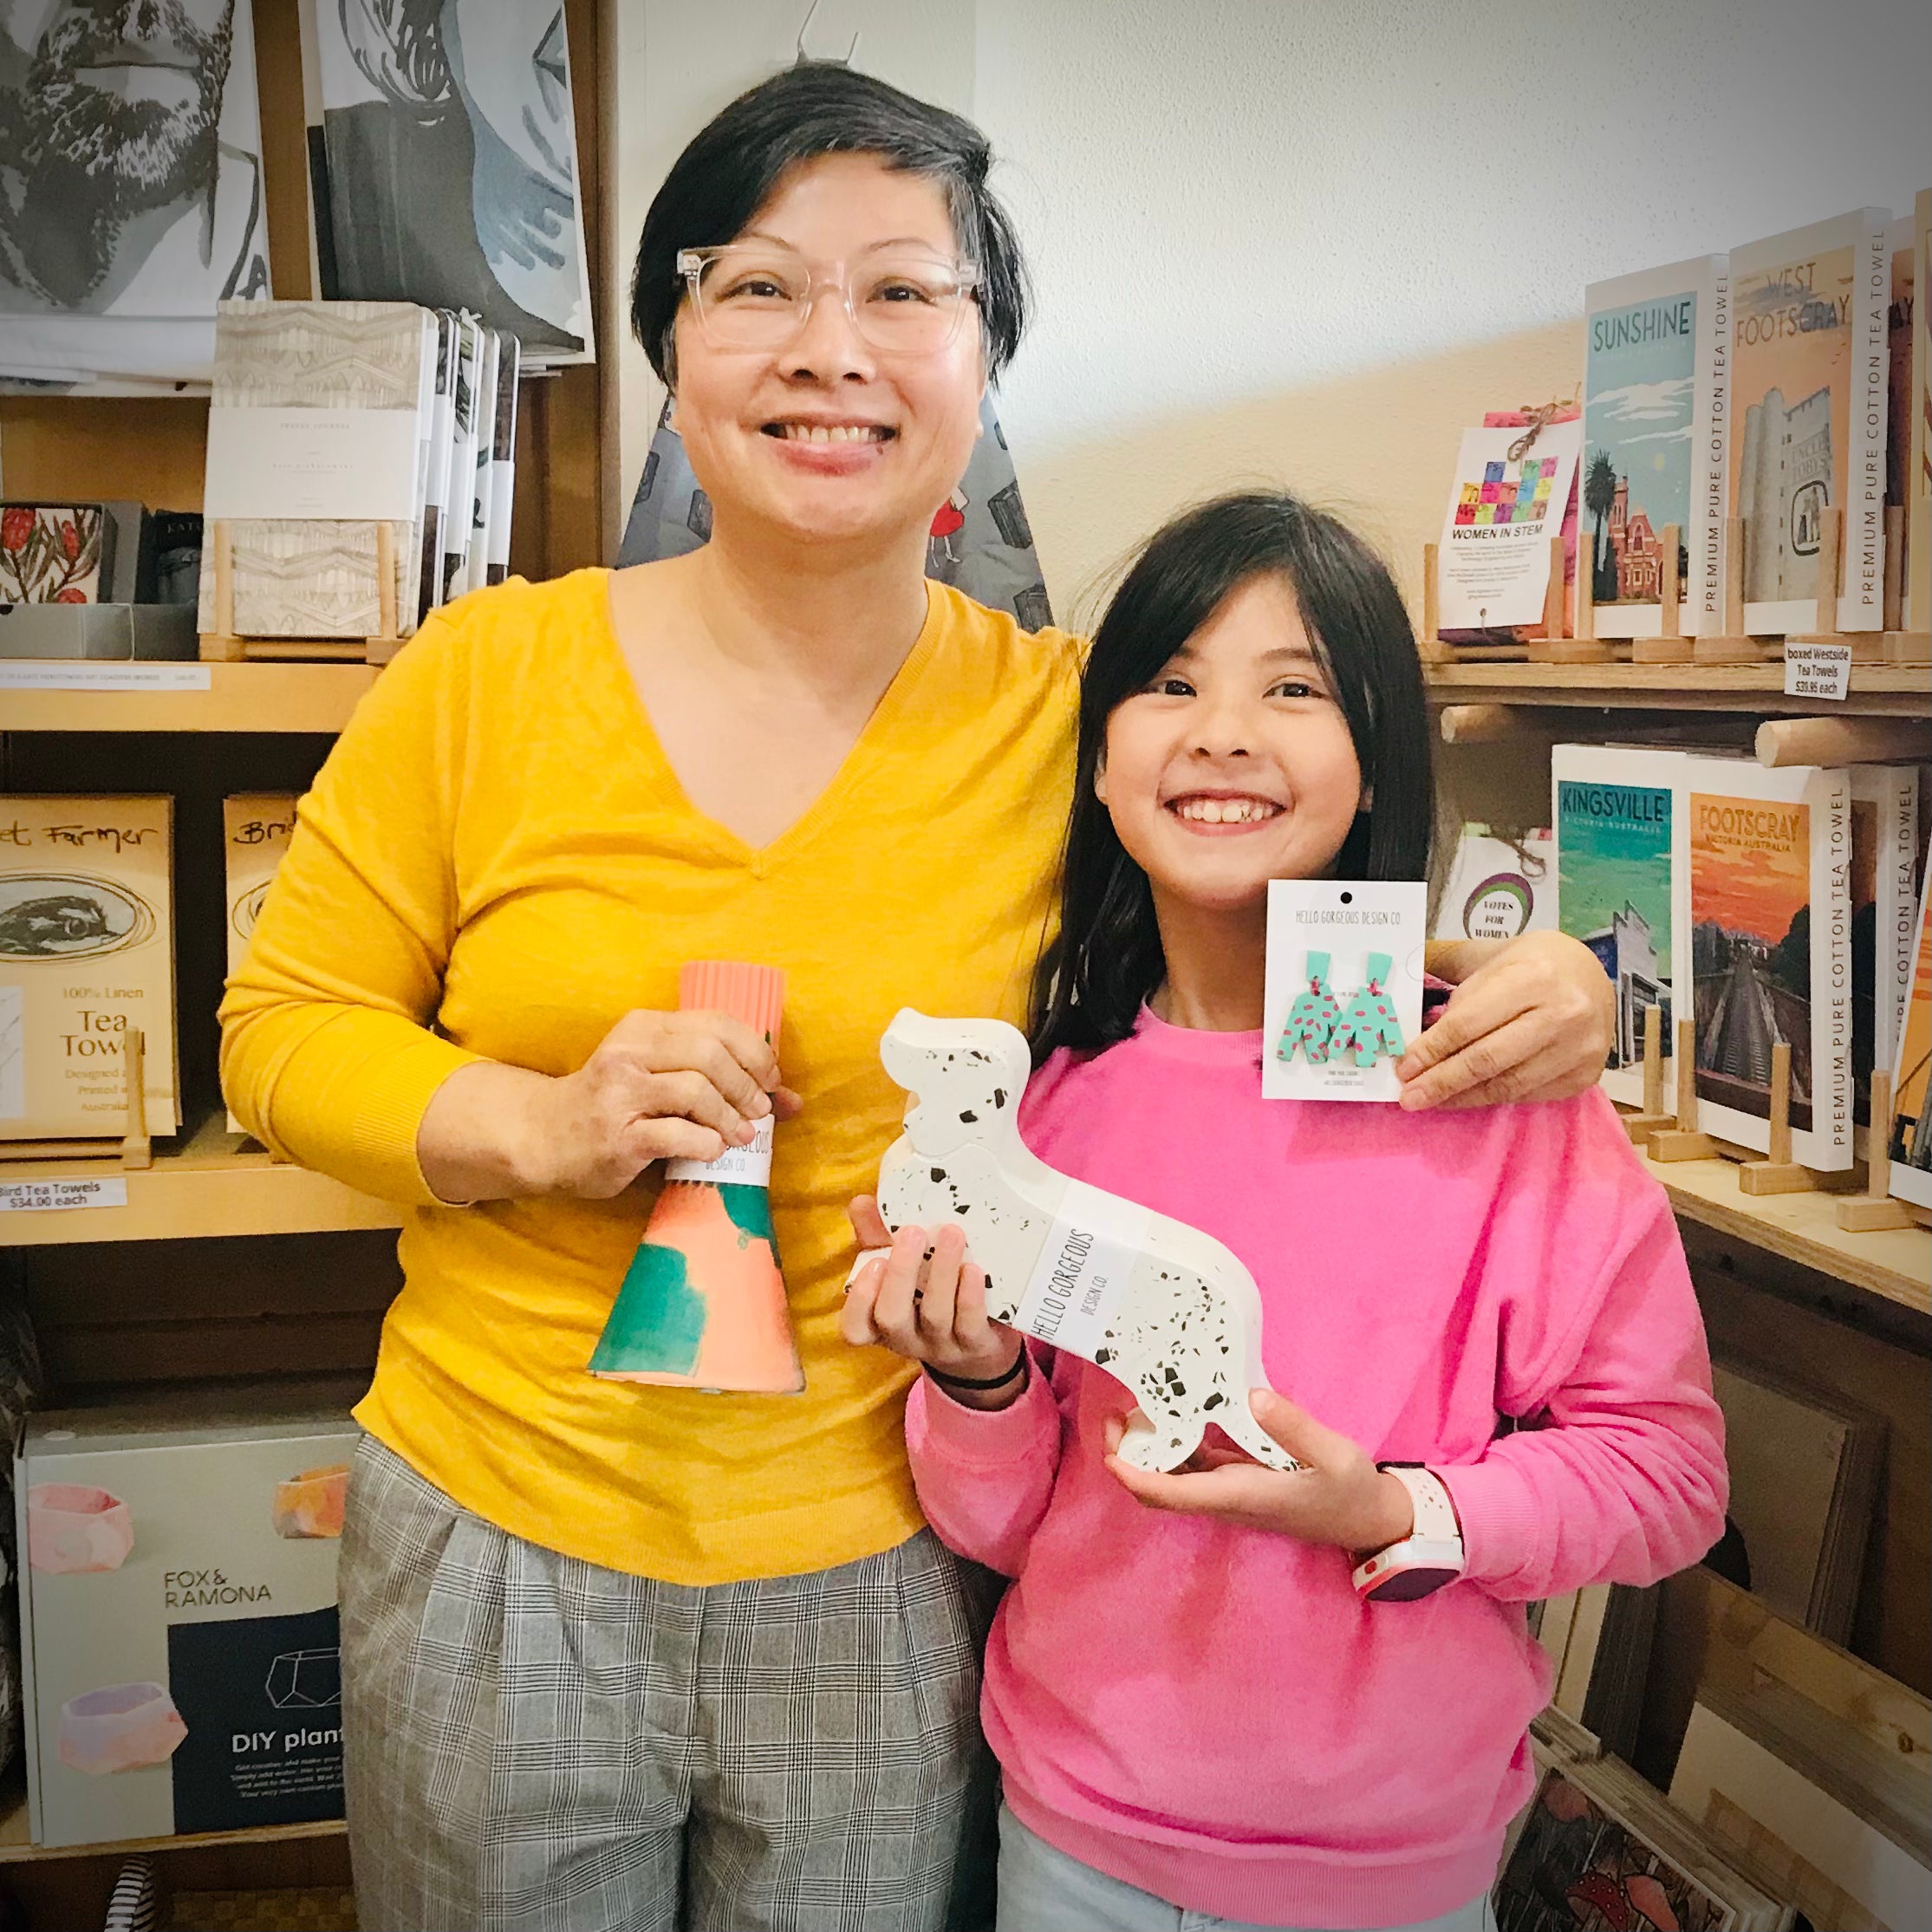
{"type": "Point", "coordinates": [1836, 741]}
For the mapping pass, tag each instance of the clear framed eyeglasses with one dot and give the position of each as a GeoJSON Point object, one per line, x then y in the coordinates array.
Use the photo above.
{"type": "Point", "coordinates": [758, 295]}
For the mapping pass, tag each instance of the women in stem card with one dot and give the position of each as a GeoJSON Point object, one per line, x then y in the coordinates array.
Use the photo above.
{"type": "Point", "coordinates": [1511, 490]}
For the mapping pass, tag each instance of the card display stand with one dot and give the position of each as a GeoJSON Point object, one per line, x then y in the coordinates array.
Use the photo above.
{"type": "Point", "coordinates": [1876, 1207]}
{"type": "Point", "coordinates": [222, 646]}
{"type": "Point", "coordinates": [134, 1149]}
{"type": "Point", "coordinates": [1653, 1119]}
{"type": "Point", "coordinates": [1682, 1140]}
{"type": "Point", "coordinates": [1863, 1206]}
{"type": "Point", "coordinates": [1435, 650]}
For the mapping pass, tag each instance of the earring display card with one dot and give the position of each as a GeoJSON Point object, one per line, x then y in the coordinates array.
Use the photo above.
{"type": "Point", "coordinates": [1345, 986]}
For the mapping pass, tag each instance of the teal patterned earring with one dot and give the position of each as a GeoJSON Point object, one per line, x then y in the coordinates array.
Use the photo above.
{"type": "Point", "coordinates": [1312, 1016]}
{"type": "Point", "coordinates": [1368, 1027]}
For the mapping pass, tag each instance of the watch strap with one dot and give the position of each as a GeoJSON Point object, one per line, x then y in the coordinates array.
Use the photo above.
{"type": "Point", "coordinates": [1436, 1520]}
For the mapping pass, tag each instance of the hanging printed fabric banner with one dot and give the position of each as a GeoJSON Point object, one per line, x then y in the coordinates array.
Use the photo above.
{"type": "Point", "coordinates": [131, 195]}
{"type": "Point", "coordinates": [980, 542]}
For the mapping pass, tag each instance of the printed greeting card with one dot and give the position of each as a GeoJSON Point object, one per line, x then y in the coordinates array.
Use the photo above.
{"type": "Point", "coordinates": [1506, 503]}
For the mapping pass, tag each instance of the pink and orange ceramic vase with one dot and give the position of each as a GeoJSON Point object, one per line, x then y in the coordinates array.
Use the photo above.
{"type": "Point", "coordinates": [311, 1504]}
{"type": "Point", "coordinates": [703, 1302]}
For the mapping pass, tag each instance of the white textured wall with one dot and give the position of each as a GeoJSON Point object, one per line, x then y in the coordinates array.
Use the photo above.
{"type": "Point", "coordinates": [1309, 241]}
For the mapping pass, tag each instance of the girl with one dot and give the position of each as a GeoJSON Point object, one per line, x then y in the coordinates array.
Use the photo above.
{"type": "Point", "coordinates": [1200, 1719]}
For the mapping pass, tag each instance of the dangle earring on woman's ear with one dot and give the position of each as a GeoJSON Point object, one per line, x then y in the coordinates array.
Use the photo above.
{"type": "Point", "coordinates": [1312, 1016]}
{"type": "Point", "coordinates": [1368, 1027]}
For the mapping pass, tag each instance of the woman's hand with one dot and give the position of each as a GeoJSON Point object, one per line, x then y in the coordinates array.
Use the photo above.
{"type": "Point", "coordinates": [926, 1301]}
{"type": "Point", "coordinates": [1532, 1019]}
{"type": "Point", "coordinates": [659, 1086]}
{"type": "Point", "coordinates": [1337, 1497]}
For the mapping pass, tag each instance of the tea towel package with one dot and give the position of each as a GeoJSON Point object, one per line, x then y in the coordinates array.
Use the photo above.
{"type": "Point", "coordinates": [87, 955]}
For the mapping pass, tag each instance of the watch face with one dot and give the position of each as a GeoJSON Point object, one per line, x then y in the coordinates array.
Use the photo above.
{"type": "Point", "coordinates": [1404, 1586]}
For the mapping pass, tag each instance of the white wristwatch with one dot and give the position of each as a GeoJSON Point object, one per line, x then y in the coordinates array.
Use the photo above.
{"type": "Point", "coordinates": [1428, 1556]}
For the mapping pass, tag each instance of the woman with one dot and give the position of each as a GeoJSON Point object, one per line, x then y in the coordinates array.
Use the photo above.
{"type": "Point", "coordinates": [645, 1656]}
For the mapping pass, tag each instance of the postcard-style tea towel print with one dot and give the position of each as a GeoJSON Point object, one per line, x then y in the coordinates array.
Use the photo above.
{"type": "Point", "coordinates": [130, 190]}
{"type": "Point", "coordinates": [447, 169]}
{"type": "Point", "coordinates": [981, 541]}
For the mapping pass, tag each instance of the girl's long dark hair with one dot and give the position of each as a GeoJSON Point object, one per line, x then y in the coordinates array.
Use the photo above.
{"type": "Point", "coordinates": [1106, 959]}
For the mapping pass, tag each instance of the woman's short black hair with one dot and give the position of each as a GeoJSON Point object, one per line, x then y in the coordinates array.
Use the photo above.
{"type": "Point", "coordinates": [730, 168]}
{"type": "Point", "coordinates": [1107, 959]}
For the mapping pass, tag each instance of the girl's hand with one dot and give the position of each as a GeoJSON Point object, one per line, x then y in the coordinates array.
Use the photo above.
{"type": "Point", "coordinates": [926, 1301]}
{"type": "Point", "coordinates": [1533, 1020]}
{"type": "Point", "coordinates": [1338, 1497]}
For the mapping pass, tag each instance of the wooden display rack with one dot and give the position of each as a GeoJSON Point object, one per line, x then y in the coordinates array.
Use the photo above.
{"type": "Point", "coordinates": [1892, 646]}
{"type": "Point", "coordinates": [1435, 650]}
{"type": "Point", "coordinates": [222, 646]}
{"type": "Point", "coordinates": [134, 1150]}
{"type": "Point", "coordinates": [1864, 1206]}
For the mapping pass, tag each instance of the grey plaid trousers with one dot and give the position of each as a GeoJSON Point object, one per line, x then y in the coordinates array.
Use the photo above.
{"type": "Point", "coordinates": [536, 1743]}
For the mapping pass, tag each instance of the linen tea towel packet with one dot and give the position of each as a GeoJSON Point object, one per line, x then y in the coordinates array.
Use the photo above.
{"type": "Point", "coordinates": [315, 436]}
{"type": "Point", "coordinates": [489, 365]}
{"type": "Point", "coordinates": [502, 465]}
{"type": "Point", "coordinates": [463, 457]}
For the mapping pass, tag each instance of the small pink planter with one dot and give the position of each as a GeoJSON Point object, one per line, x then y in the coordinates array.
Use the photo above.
{"type": "Point", "coordinates": [122, 1727]}
{"type": "Point", "coordinates": [310, 1505]}
{"type": "Point", "coordinates": [72, 1527]}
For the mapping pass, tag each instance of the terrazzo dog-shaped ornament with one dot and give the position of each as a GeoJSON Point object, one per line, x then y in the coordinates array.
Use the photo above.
{"type": "Point", "coordinates": [1163, 1308]}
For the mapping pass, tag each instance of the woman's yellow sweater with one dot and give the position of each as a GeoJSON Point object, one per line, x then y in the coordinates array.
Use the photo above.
{"type": "Point", "coordinates": [498, 861]}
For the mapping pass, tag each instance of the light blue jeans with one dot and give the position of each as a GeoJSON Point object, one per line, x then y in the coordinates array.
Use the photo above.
{"type": "Point", "coordinates": [1041, 1890]}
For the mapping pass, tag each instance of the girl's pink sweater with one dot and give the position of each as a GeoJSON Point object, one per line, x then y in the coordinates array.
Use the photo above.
{"type": "Point", "coordinates": [1208, 1712]}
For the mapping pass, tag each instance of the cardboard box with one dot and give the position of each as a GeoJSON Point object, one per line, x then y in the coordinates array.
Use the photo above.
{"type": "Point", "coordinates": [129, 633]}
{"type": "Point", "coordinates": [86, 953]}
{"type": "Point", "coordinates": [178, 1646]}
{"type": "Point", "coordinates": [255, 826]}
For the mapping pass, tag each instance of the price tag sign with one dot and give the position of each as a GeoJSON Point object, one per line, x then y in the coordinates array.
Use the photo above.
{"type": "Point", "coordinates": [80, 674]}
{"type": "Point", "coordinates": [40, 1197]}
{"type": "Point", "coordinates": [1817, 670]}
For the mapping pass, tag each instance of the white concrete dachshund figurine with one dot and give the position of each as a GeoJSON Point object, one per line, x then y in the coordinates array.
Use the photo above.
{"type": "Point", "coordinates": [1163, 1308]}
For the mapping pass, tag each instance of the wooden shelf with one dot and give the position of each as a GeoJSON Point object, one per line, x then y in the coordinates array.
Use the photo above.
{"type": "Point", "coordinates": [17, 1848]}
{"type": "Point", "coordinates": [1875, 688]}
{"type": "Point", "coordinates": [239, 698]}
{"type": "Point", "coordinates": [1896, 1265]}
{"type": "Point", "coordinates": [210, 1183]}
